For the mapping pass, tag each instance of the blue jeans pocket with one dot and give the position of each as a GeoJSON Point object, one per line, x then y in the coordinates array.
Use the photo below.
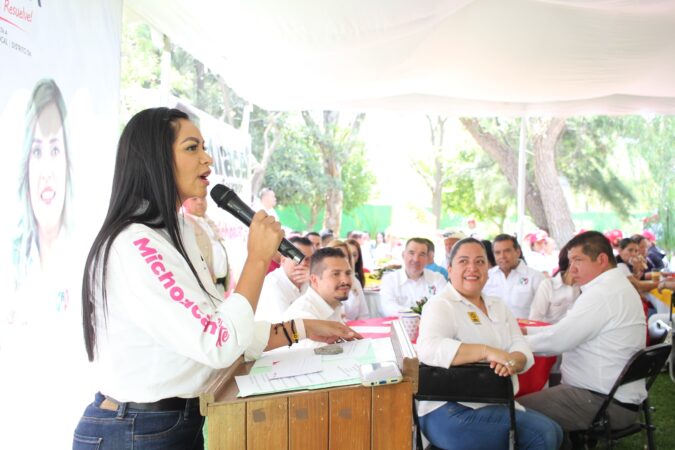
{"type": "Point", "coordinates": [86, 443]}
{"type": "Point", "coordinates": [156, 425]}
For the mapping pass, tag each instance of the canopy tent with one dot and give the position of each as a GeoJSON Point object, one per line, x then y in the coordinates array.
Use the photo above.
{"type": "Point", "coordinates": [468, 57]}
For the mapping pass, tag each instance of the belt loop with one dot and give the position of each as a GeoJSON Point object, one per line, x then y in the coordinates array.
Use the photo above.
{"type": "Point", "coordinates": [121, 410]}
{"type": "Point", "coordinates": [186, 413]}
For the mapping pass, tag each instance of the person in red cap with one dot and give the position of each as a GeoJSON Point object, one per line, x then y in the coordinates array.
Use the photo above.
{"type": "Point", "coordinates": [654, 254]}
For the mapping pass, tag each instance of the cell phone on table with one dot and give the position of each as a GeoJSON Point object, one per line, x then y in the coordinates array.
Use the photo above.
{"type": "Point", "coordinates": [380, 373]}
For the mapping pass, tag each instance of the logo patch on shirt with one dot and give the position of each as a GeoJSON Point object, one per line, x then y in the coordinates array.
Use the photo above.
{"type": "Point", "coordinates": [474, 317]}
{"type": "Point", "coordinates": [523, 281]}
{"type": "Point", "coordinates": [432, 290]}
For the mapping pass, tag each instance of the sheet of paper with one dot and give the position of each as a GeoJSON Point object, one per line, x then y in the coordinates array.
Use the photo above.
{"type": "Point", "coordinates": [300, 363]}
{"type": "Point", "coordinates": [351, 349]}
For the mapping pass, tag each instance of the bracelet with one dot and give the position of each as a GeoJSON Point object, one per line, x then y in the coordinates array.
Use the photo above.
{"type": "Point", "coordinates": [288, 337]}
{"type": "Point", "coordinates": [294, 333]}
{"type": "Point", "coordinates": [300, 324]}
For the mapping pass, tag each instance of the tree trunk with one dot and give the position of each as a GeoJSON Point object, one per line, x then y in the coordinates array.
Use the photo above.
{"type": "Point", "coordinates": [437, 131]}
{"type": "Point", "coordinates": [199, 85]}
{"type": "Point", "coordinates": [270, 141]}
{"type": "Point", "coordinates": [505, 157]}
{"type": "Point", "coordinates": [331, 147]}
{"type": "Point", "coordinates": [559, 217]}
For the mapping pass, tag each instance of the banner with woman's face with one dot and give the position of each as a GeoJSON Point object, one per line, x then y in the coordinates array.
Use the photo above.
{"type": "Point", "coordinates": [59, 101]}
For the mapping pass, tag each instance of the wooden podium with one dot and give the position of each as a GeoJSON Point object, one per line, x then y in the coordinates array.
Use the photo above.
{"type": "Point", "coordinates": [348, 417]}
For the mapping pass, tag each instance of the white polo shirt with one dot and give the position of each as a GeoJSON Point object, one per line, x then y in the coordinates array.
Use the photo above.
{"type": "Point", "coordinates": [603, 330]}
{"type": "Point", "coordinates": [449, 319]}
{"type": "Point", "coordinates": [552, 300]}
{"type": "Point", "coordinates": [310, 305]}
{"type": "Point", "coordinates": [517, 290]}
{"type": "Point", "coordinates": [355, 307]}
{"type": "Point", "coordinates": [277, 294]}
{"type": "Point", "coordinates": [398, 292]}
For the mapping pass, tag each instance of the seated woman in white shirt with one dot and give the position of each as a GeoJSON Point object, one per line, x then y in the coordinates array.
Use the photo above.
{"type": "Point", "coordinates": [355, 307]}
{"type": "Point", "coordinates": [460, 326]}
{"type": "Point", "coordinates": [555, 295]}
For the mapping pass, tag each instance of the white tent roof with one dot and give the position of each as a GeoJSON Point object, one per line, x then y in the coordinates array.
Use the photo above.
{"type": "Point", "coordinates": [470, 57]}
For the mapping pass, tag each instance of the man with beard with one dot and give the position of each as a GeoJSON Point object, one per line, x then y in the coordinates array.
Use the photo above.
{"type": "Point", "coordinates": [330, 281]}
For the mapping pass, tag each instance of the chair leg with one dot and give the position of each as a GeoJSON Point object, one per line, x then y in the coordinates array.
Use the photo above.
{"type": "Point", "coordinates": [651, 444]}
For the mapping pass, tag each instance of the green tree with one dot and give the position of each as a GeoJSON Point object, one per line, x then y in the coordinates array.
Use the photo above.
{"type": "Point", "coordinates": [579, 149]}
{"type": "Point", "coordinates": [477, 188]}
{"type": "Point", "coordinates": [296, 175]}
{"type": "Point", "coordinates": [439, 171]}
{"type": "Point", "coordinates": [335, 144]}
{"type": "Point", "coordinates": [651, 140]}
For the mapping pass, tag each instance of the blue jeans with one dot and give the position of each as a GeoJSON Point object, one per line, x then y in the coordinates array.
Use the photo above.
{"type": "Point", "coordinates": [128, 428]}
{"type": "Point", "coordinates": [454, 426]}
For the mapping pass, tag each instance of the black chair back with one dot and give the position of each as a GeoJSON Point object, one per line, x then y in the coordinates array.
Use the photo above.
{"type": "Point", "coordinates": [644, 365]}
{"type": "Point", "coordinates": [466, 383]}
{"type": "Point", "coordinates": [476, 383]}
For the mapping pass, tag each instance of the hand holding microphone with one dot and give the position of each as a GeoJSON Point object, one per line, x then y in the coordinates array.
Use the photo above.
{"type": "Point", "coordinates": [227, 199]}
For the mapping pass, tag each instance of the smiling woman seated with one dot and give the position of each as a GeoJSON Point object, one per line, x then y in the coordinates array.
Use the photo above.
{"type": "Point", "coordinates": [460, 326]}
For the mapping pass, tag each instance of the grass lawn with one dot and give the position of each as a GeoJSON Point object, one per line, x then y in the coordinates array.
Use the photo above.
{"type": "Point", "coordinates": [662, 397]}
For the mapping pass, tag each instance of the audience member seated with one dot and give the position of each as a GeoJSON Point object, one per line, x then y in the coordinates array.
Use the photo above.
{"type": "Point", "coordinates": [355, 307]}
{"type": "Point", "coordinates": [404, 287]}
{"type": "Point", "coordinates": [315, 239]}
{"type": "Point", "coordinates": [597, 337]}
{"type": "Point", "coordinates": [357, 260]}
{"type": "Point", "coordinates": [449, 239]}
{"type": "Point", "coordinates": [555, 295]}
{"type": "Point", "coordinates": [326, 236]}
{"type": "Point", "coordinates": [643, 248]}
{"type": "Point", "coordinates": [490, 255]}
{"type": "Point", "coordinates": [459, 326]}
{"type": "Point", "coordinates": [431, 264]}
{"type": "Point", "coordinates": [632, 265]}
{"type": "Point", "coordinates": [330, 281]}
{"type": "Point", "coordinates": [512, 280]}
{"type": "Point", "coordinates": [654, 254]}
{"type": "Point", "coordinates": [284, 285]}
{"type": "Point", "coordinates": [211, 245]}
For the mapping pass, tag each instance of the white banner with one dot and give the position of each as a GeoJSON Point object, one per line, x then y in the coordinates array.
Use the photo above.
{"type": "Point", "coordinates": [59, 101]}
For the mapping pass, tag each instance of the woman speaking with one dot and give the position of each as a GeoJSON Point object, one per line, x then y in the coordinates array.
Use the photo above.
{"type": "Point", "coordinates": [153, 320]}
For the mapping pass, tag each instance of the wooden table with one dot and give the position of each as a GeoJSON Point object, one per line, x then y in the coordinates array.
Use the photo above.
{"type": "Point", "coordinates": [348, 417]}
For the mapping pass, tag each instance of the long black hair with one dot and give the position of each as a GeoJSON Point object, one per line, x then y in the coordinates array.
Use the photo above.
{"type": "Point", "coordinates": [143, 191]}
{"type": "Point", "coordinates": [358, 264]}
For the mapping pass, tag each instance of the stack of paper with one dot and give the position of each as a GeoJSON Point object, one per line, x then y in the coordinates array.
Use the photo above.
{"type": "Point", "coordinates": [302, 369]}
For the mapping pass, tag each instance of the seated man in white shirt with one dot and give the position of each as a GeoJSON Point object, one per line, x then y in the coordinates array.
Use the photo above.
{"type": "Point", "coordinates": [284, 285]}
{"type": "Point", "coordinates": [511, 279]}
{"type": "Point", "coordinates": [404, 287]}
{"type": "Point", "coordinates": [602, 331]}
{"type": "Point", "coordinates": [330, 281]}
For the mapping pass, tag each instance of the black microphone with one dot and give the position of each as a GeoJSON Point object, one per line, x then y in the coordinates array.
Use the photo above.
{"type": "Point", "coordinates": [227, 199]}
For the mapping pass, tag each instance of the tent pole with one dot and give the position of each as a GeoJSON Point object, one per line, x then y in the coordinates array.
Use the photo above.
{"type": "Point", "coordinates": [522, 164]}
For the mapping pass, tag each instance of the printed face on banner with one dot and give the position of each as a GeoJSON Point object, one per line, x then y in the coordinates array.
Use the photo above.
{"type": "Point", "coordinates": [47, 170]}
